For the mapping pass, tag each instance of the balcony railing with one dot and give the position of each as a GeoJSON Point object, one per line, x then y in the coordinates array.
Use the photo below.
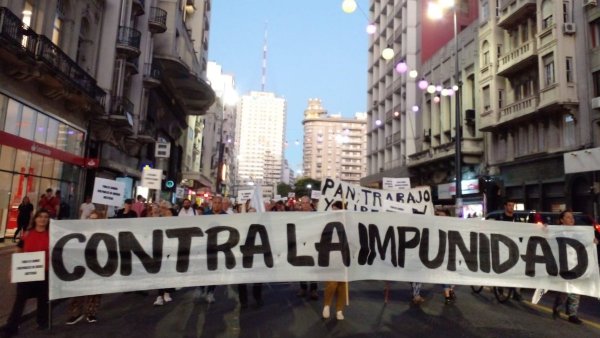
{"type": "Point", "coordinates": [517, 56]}
{"type": "Point", "coordinates": [39, 47]}
{"type": "Point", "coordinates": [17, 33]}
{"type": "Point", "coordinates": [122, 107]}
{"type": "Point", "coordinates": [519, 108]}
{"type": "Point", "coordinates": [157, 21]}
{"type": "Point", "coordinates": [138, 6]}
{"type": "Point", "coordinates": [129, 39]}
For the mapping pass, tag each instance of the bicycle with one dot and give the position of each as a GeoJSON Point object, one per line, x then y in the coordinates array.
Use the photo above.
{"type": "Point", "coordinates": [502, 293]}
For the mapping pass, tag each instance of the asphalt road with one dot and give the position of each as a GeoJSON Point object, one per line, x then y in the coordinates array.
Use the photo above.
{"type": "Point", "coordinates": [285, 315]}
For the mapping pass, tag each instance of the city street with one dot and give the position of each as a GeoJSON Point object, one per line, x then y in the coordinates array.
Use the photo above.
{"type": "Point", "coordinates": [285, 315]}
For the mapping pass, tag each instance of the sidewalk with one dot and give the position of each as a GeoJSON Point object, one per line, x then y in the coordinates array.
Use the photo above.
{"type": "Point", "coordinates": [7, 290]}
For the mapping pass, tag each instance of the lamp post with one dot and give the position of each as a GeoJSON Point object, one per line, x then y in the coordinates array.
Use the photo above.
{"type": "Point", "coordinates": [436, 11]}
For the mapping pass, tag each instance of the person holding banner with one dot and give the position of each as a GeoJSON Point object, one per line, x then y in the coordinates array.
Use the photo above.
{"type": "Point", "coordinates": [509, 216]}
{"type": "Point", "coordinates": [572, 300]}
{"type": "Point", "coordinates": [335, 288]}
{"type": "Point", "coordinates": [305, 205]}
{"type": "Point", "coordinates": [164, 210]}
{"type": "Point", "coordinates": [36, 239]}
{"type": "Point", "coordinates": [256, 291]}
{"type": "Point", "coordinates": [86, 306]}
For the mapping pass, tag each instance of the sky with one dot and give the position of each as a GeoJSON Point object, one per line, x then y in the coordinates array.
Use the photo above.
{"type": "Point", "coordinates": [315, 50]}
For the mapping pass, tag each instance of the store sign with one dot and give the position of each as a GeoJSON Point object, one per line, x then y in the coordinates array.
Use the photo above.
{"type": "Point", "coordinates": [108, 192]}
{"type": "Point", "coordinates": [446, 191]}
{"type": "Point", "coordinates": [21, 143]}
{"type": "Point", "coordinates": [152, 178]}
{"type": "Point", "coordinates": [162, 150]}
{"type": "Point", "coordinates": [401, 183]}
{"type": "Point", "coordinates": [582, 161]}
{"type": "Point", "coordinates": [28, 267]}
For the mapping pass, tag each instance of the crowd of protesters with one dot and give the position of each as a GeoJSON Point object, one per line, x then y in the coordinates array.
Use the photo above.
{"type": "Point", "coordinates": [33, 228]}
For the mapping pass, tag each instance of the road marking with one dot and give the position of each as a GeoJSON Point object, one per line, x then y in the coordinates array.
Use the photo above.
{"type": "Point", "coordinates": [562, 316]}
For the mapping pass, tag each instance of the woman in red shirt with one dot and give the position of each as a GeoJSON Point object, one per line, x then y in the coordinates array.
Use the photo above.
{"type": "Point", "coordinates": [37, 238]}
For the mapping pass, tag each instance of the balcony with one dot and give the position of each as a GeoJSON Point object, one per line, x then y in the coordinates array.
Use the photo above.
{"type": "Point", "coordinates": [514, 11]}
{"type": "Point", "coordinates": [121, 114]}
{"type": "Point", "coordinates": [519, 109]}
{"type": "Point", "coordinates": [518, 59]}
{"type": "Point", "coordinates": [152, 76]}
{"type": "Point", "coordinates": [138, 7]}
{"type": "Point", "coordinates": [132, 65]}
{"type": "Point", "coordinates": [157, 21]}
{"type": "Point", "coordinates": [29, 56]}
{"type": "Point", "coordinates": [128, 41]}
{"type": "Point", "coordinates": [147, 132]}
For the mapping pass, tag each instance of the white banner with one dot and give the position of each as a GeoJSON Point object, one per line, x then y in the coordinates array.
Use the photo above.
{"type": "Point", "coordinates": [357, 198]}
{"type": "Point", "coordinates": [108, 192]}
{"type": "Point", "coordinates": [28, 267]}
{"type": "Point", "coordinates": [117, 255]}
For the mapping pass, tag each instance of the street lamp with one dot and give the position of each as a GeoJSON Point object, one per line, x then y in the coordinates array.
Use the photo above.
{"type": "Point", "coordinates": [435, 11]}
{"type": "Point", "coordinates": [309, 186]}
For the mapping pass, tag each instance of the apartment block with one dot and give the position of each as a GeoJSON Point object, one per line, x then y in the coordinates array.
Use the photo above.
{"type": "Point", "coordinates": [334, 146]}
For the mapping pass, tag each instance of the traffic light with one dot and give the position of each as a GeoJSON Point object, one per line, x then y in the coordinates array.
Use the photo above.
{"type": "Point", "coordinates": [168, 184]}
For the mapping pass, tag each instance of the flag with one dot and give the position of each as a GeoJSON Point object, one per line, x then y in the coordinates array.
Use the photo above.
{"type": "Point", "coordinates": [256, 200]}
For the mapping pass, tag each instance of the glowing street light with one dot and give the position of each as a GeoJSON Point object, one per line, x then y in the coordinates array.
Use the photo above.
{"type": "Point", "coordinates": [349, 6]}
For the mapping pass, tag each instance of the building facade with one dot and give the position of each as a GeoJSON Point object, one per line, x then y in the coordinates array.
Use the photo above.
{"type": "Point", "coordinates": [535, 93]}
{"type": "Point", "coordinates": [333, 146]}
{"type": "Point", "coordinates": [259, 138]}
{"type": "Point", "coordinates": [86, 89]}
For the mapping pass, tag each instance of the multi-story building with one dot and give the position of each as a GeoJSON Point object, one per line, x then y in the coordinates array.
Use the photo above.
{"type": "Point", "coordinates": [259, 138]}
{"type": "Point", "coordinates": [89, 86]}
{"type": "Point", "coordinates": [535, 98]}
{"type": "Point", "coordinates": [390, 131]}
{"type": "Point", "coordinates": [433, 162]}
{"type": "Point", "coordinates": [333, 146]}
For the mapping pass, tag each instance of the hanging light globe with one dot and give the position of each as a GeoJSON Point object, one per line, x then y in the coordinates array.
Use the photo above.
{"type": "Point", "coordinates": [436, 99]}
{"type": "Point", "coordinates": [401, 67]}
{"type": "Point", "coordinates": [431, 89]}
{"type": "Point", "coordinates": [349, 6]}
{"type": "Point", "coordinates": [423, 84]}
{"type": "Point", "coordinates": [415, 108]}
{"type": "Point", "coordinates": [413, 74]}
{"type": "Point", "coordinates": [371, 29]}
{"type": "Point", "coordinates": [387, 53]}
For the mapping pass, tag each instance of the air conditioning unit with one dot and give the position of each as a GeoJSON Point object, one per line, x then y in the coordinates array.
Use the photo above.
{"type": "Point", "coordinates": [569, 28]}
{"type": "Point", "coordinates": [596, 103]}
{"type": "Point", "coordinates": [590, 3]}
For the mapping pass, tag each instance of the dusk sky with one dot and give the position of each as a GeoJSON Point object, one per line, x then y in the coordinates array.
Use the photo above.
{"type": "Point", "coordinates": [315, 50]}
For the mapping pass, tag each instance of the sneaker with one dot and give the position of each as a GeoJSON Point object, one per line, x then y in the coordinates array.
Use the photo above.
{"type": "Point", "coordinates": [314, 295]}
{"type": "Point", "coordinates": [91, 319]}
{"type": "Point", "coordinates": [339, 315]}
{"type": "Point", "coordinates": [159, 301]}
{"type": "Point", "coordinates": [167, 297]}
{"type": "Point", "coordinates": [210, 298]}
{"type": "Point", "coordinates": [452, 294]}
{"type": "Point", "coordinates": [74, 320]}
{"type": "Point", "coordinates": [326, 312]}
{"type": "Point", "coordinates": [301, 293]}
{"type": "Point", "coordinates": [449, 300]}
{"type": "Point", "coordinates": [575, 320]}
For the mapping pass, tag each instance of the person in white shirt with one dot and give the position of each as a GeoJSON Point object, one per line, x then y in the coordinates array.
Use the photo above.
{"type": "Point", "coordinates": [227, 206]}
{"type": "Point", "coordinates": [187, 209]}
{"type": "Point", "coordinates": [86, 208]}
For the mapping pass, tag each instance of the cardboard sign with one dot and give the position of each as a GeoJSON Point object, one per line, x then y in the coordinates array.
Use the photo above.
{"type": "Point", "coordinates": [152, 178]}
{"type": "Point", "coordinates": [244, 195]}
{"type": "Point", "coordinates": [315, 194]}
{"type": "Point", "coordinates": [108, 192]}
{"type": "Point", "coordinates": [179, 192]}
{"type": "Point", "coordinates": [391, 183]}
{"type": "Point", "coordinates": [291, 194]}
{"type": "Point", "coordinates": [28, 267]}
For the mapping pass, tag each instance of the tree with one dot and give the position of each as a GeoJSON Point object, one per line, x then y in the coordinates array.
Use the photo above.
{"type": "Point", "coordinates": [283, 189]}
{"type": "Point", "coordinates": [302, 186]}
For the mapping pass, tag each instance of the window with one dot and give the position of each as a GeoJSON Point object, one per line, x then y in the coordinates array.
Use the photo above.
{"type": "Point", "coordinates": [486, 98]}
{"type": "Point", "coordinates": [485, 47]}
{"type": "Point", "coordinates": [548, 61]}
{"type": "Point", "coordinates": [569, 68]}
{"type": "Point", "coordinates": [499, 50]}
{"type": "Point", "coordinates": [500, 98]}
{"type": "Point", "coordinates": [27, 15]}
{"type": "Point", "coordinates": [596, 79]}
{"type": "Point", "coordinates": [569, 131]}
{"type": "Point", "coordinates": [567, 11]}
{"type": "Point", "coordinates": [485, 11]}
{"type": "Point", "coordinates": [595, 33]}
{"type": "Point", "coordinates": [525, 32]}
{"type": "Point", "coordinates": [547, 19]}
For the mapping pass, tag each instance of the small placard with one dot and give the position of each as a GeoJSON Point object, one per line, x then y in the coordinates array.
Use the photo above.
{"type": "Point", "coordinates": [28, 267]}
{"type": "Point", "coordinates": [152, 178]}
{"type": "Point", "coordinates": [401, 183]}
{"type": "Point", "coordinates": [315, 194]}
{"type": "Point", "coordinates": [108, 192]}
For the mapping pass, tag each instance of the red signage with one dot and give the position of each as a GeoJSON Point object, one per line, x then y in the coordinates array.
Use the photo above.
{"type": "Point", "coordinates": [11, 140]}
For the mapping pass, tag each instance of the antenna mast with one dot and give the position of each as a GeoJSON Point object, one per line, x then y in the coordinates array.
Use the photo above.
{"type": "Point", "coordinates": [264, 63]}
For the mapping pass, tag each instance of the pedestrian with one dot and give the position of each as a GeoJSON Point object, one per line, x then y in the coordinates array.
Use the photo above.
{"type": "Point", "coordinates": [126, 212]}
{"type": "Point", "coordinates": [305, 205]}
{"type": "Point", "coordinates": [139, 205]}
{"type": "Point", "coordinates": [509, 216]}
{"type": "Point", "coordinates": [86, 208]}
{"type": "Point", "coordinates": [335, 288]}
{"type": "Point", "coordinates": [449, 294]}
{"type": "Point", "coordinates": [227, 206]}
{"type": "Point", "coordinates": [570, 300]}
{"type": "Point", "coordinates": [50, 203]}
{"type": "Point", "coordinates": [36, 238]}
{"type": "Point", "coordinates": [24, 216]}
{"type": "Point", "coordinates": [187, 209]}
{"type": "Point", "coordinates": [85, 306]}
{"type": "Point", "coordinates": [256, 291]}
{"type": "Point", "coordinates": [64, 210]}
{"type": "Point", "coordinates": [216, 208]}
{"type": "Point", "coordinates": [163, 210]}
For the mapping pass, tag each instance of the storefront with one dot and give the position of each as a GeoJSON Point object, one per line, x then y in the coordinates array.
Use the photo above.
{"type": "Point", "coordinates": [472, 200]}
{"type": "Point", "coordinates": [37, 152]}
